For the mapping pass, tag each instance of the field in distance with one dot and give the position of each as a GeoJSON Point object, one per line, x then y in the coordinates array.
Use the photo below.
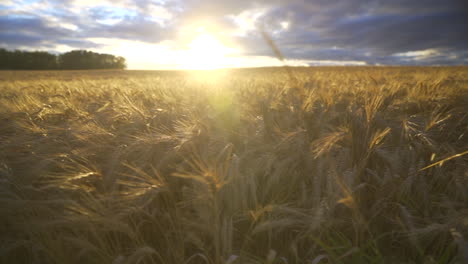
{"type": "Point", "coordinates": [272, 165]}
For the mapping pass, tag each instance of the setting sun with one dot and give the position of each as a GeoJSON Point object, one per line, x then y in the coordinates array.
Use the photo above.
{"type": "Point", "coordinates": [206, 52]}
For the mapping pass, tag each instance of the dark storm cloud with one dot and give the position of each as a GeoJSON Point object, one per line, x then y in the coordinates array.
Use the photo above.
{"type": "Point", "coordinates": [11, 39]}
{"type": "Point", "coordinates": [32, 25]}
{"type": "Point", "coordinates": [132, 29]}
{"type": "Point", "coordinates": [27, 31]}
{"type": "Point", "coordinates": [82, 44]}
{"type": "Point", "coordinates": [18, 31]}
{"type": "Point", "coordinates": [371, 31]}
{"type": "Point", "coordinates": [389, 34]}
{"type": "Point", "coordinates": [375, 31]}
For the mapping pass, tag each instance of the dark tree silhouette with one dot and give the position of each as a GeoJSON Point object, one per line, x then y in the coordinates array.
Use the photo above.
{"type": "Point", "coordinates": [21, 60]}
{"type": "Point", "coordinates": [82, 59]}
{"type": "Point", "coordinates": [73, 60]}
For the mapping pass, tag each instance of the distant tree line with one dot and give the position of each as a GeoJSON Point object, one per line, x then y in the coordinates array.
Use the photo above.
{"type": "Point", "coordinates": [73, 60]}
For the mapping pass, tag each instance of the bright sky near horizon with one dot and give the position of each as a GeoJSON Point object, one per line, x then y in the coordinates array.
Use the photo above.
{"type": "Point", "coordinates": [208, 34]}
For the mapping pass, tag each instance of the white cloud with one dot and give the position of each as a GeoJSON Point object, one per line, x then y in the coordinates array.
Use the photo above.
{"type": "Point", "coordinates": [285, 25]}
{"type": "Point", "coordinates": [56, 22]}
{"type": "Point", "coordinates": [418, 55]}
{"type": "Point", "coordinates": [90, 3]}
{"type": "Point", "coordinates": [247, 20]}
{"type": "Point", "coordinates": [109, 21]}
{"type": "Point", "coordinates": [158, 12]}
{"type": "Point", "coordinates": [25, 7]}
{"type": "Point", "coordinates": [7, 2]}
{"type": "Point", "coordinates": [337, 63]}
{"type": "Point", "coordinates": [69, 26]}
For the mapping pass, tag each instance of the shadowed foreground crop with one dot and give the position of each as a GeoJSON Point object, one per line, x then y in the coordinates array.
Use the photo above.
{"type": "Point", "coordinates": [327, 165]}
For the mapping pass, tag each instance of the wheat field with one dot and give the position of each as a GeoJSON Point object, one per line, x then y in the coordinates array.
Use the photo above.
{"type": "Point", "coordinates": [296, 165]}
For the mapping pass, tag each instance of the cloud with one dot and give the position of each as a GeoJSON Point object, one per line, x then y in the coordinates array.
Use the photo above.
{"type": "Point", "coordinates": [314, 31]}
{"type": "Point", "coordinates": [366, 30]}
{"type": "Point", "coordinates": [132, 29]}
{"type": "Point", "coordinates": [30, 24]}
{"type": "Point", "coordinates": [11, 40]}
{"type": "Point", "coordinates": [387, 34]}
{"type": "Point", "coordinates": [29, 31]}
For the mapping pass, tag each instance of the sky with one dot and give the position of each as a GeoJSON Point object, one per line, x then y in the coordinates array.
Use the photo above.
{"type": "Point", "coordinates": [208, 34]}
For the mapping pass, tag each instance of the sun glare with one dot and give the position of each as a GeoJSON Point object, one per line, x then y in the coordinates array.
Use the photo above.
{"type": "Point", "coordinates": [206, 52]}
